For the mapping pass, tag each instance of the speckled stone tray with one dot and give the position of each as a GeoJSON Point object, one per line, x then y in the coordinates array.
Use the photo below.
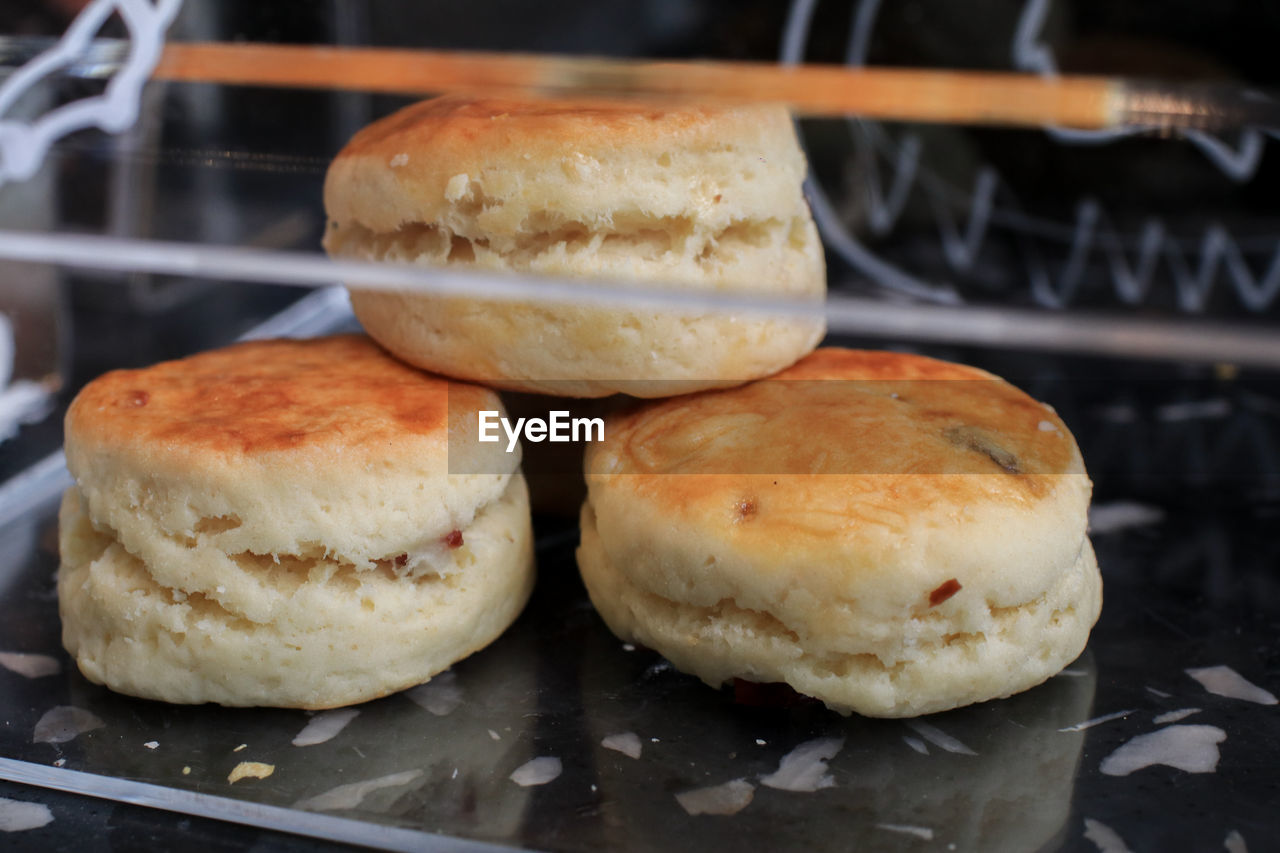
{"type": "Point", "coordinates": [1064, 766]}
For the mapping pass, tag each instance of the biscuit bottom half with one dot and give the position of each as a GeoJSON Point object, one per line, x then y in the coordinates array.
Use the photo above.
{"type": "Point", "coordinates": [850, 667]}
{"type": "Point", "coordinates": [339, 635]}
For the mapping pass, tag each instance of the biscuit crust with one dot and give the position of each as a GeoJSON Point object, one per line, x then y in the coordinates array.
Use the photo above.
{"type": "Point", "coordinates": [337, 635]}
{"type": "Point", "coordinates": [270, 482]}
{"type": "Point", "coordinates": [860, 506]}
{"type": "Point", "coordinates": [325, 446]}
{"type": "Point", "coordinates": [533, 163]}
{"type": "Point", "coordinates": [686, 197]}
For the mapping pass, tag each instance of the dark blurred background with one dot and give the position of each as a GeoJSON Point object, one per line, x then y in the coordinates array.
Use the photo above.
{"type": "Point", "coordinates": [1140, 226]}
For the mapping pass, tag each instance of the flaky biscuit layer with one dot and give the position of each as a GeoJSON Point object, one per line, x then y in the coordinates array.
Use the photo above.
{"type": "Point", "coordinates": [275, 523]}
{"type": "Point", "coordinates": [842, 525]}
{"type": "Point", "coordinates": [338, 634]}
{"type": "Point", "coordinates": [691, 197]}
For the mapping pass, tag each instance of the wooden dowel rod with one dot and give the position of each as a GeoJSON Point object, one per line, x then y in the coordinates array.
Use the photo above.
{"type": "Point", "coordinates": [957, 97]}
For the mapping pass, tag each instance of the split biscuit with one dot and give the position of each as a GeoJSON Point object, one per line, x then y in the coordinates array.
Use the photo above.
{"type": "Point", "coordinates": [890, 534]}
{"type": "Point", "coordinates": [697, 198]}
{"type": "Point", "coordinates": [275, 524]}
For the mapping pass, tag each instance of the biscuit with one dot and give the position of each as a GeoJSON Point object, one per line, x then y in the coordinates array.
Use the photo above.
{"type": "Point", "coordinates": [890, 534]}
{"type": "Point", "coordinates": [275, 524]}
{"type": "Point", "coordinates": [697, 198]}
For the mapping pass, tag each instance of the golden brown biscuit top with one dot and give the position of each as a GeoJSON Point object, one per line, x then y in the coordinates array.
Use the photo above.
{"type": "Point", "coordinates": [768, 451]}
{"type": "Point", "coordinates": [266, 397]}
{"type": "Point", "coordinates": [516, 165]}
{"type": "Point", "coordinates": [460, 122]}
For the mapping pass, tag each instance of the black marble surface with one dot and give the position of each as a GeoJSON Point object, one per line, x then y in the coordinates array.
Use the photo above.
{"type": "Point", "coordinates": [1196, 589]}
{"type": "Point", "coordinates": [1195, 584]}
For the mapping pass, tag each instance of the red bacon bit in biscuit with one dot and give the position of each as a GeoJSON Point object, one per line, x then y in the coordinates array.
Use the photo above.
{"type": "Point", "coordinates": [944, 592]}
{"type": "Point", "coordinates": [454, 539]}
{"type": "Point", "coordinates": [401, 561]}
{"type": "Point", "coordinates": [137, 398]}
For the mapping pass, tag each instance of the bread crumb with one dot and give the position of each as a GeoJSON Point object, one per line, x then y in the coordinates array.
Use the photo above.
{"type": "Point", "coordinates": [628, 743]}
{"type": "Point", "coordinates": [399, 160]}
{"type": "Point", "coordinates": [457, 187]}
{"type": "Point", "coordinates": [250, 770]}
{"type": "Point", "coordinates": [538, 771]}
{"type": "Point", "coordinates": [240, 747]}
{"type": "Point", "coordinates": [725, 799]}
{"type": "Point", "coordinates": [29, 665]}
{"type": "Point", "coordinates": [186, 771]}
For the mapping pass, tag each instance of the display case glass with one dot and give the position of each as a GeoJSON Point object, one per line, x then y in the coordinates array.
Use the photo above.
{"type": "Point", "coordinates": [1128, 278]}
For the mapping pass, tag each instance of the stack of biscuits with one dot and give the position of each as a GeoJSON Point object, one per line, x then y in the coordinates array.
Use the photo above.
{"type": "Point", "coordinates": [312, 524]}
